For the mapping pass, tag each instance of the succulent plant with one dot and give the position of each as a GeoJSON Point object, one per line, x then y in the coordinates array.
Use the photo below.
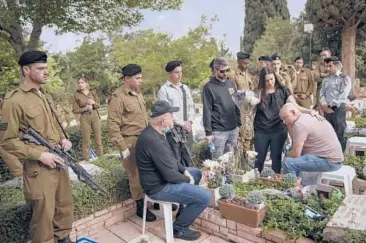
{"type": "Point", "coordinates": [267, 172]}
{"type": "Point", "coordinates": [226, 191]}
{"type": "Point", "coordinates": [290, 178]}
{"type": "Point", "coordinates": [255, 197]}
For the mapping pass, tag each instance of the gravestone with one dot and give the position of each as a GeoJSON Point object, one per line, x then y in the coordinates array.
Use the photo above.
{"type": "Point", "coordinates": [349, 217]}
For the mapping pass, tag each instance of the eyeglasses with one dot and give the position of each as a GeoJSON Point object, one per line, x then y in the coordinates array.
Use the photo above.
{"type": "Point", "coordinates": [224, 71]}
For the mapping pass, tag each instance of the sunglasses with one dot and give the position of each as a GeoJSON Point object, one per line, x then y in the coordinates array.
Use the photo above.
{"type": "Point", "coordinates": [225, 71]}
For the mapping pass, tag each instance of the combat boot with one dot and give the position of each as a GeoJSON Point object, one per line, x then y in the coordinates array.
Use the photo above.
{"type": "Point", "coordinates": [140, 211]}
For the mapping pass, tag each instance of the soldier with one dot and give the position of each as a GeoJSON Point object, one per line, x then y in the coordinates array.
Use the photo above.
{"type": "Point", "coordinates": [283, 77]}
{"type": "Point", "coordinates": [86, 103]}
{"type": "Point", "coordinates": [304, 84]}
{"type": "Point", "coordinates": [47, 190]}
{"type": "Point", "coordinates": [202, 84]}
{"type": "Point", "coordinates": [243, 81]}
{"type": "Point", "coordinates": [12, 162]}
{"type": "Point", "coordinates": [263, 61]}
{"type": "Point", "coordinates": [127, 117]}
{"type": "Point", "coordinates": [291, 72]}
{"type": "Point", "coordinates": [321, 72]}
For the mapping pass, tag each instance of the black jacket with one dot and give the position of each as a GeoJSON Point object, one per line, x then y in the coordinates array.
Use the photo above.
{"type": "Point", "coordinates": [220, 113]}
{"type": "Point", "coordinates": [156, 163]}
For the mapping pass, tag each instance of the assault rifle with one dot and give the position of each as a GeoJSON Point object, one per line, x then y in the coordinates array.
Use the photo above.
{"type": "Point", "coordinates": [32, 136]}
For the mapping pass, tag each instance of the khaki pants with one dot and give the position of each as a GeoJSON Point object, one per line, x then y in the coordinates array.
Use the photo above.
{"type": "Point", "coordinates": [129, 164]}
{"type": "Point", "coordinates": [48, 192]}
{"type": "Point", "coordinates": [88, 123]}
{"type": "Point", "coordinates": [12, 162]}
{"type": "Point", "coordinates": [245, 135]}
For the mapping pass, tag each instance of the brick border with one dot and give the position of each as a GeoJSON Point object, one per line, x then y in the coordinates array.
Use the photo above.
{"type": "Point", "coordinates": [211, 222]}
{"type": "Point", "coordinates": [97, 221]}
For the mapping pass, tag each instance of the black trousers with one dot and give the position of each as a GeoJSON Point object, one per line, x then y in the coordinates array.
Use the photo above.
{"type": "Point", "coordinates": [179, 151]}
{"type": "Point", "coordinates": [338, 121]}
{"type": "Point", "coordinates": [275, 141]}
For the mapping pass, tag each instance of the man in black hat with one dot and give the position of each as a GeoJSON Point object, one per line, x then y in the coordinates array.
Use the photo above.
{"type": "Point", "coordinates": [333, 97]}
{"type": "Point", "coordinates": [166, 179]}
{"type": "Point", "coordinates": [127, 117]}
{"type": "Point", "coordinates": [46, 190]}
{"type": "Point", "coordinates": [178, 94]}
{"type": "Point", "coordinates": [284, 78]}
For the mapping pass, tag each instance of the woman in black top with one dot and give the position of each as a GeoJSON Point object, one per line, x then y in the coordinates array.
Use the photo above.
{"type": "Point", "coordinates": [269, 130]}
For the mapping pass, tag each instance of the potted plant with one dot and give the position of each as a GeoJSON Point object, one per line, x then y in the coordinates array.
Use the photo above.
{"type": "Point", "coordinates": [249, 211]}
{"type": "Point", "coordinates": [269, 176]}
{"type": "Point", "coordinates": [212, 172]}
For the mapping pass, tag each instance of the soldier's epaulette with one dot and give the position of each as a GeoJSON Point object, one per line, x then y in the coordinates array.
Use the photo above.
{"type": "Point", "coordinates": [11, 93]}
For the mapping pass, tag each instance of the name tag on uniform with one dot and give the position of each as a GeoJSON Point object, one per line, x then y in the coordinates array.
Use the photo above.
{"type": "Point", "coordinates": [3, 126]}
{"type": "Point", "coordinates": [231, 91]}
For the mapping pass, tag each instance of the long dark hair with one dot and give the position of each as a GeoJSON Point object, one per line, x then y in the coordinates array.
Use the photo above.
{"type": "Point", "coordinates": [262, 83]}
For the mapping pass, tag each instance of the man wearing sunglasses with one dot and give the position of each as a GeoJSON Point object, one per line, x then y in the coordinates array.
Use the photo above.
{"type": "Point", "coordinates": [221, 116]}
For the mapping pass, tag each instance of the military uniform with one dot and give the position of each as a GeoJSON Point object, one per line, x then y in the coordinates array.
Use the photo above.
{"type": "Point", "coordinates": [127, 117]}
{"type": "Point", "coordinates": [48, 191]}
{"type": "Point", "coordinates": [89, 121]}
{"type": "Point", "coordinates": [291, 72]}
{"type": "Point", "coordinates": [304, 86]}
{"type": "Point", "coordinates": [12, 162]}
{"type": "Point", "coordinates": [285, 80]}
{"type": "Point", "coordinates": [319, 74]}
{"type": "Point", "coordinates": [243, 81]}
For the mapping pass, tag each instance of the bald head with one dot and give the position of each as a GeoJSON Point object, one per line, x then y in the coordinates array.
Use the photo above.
{"type": "Point", "coordinates": [289, 113]}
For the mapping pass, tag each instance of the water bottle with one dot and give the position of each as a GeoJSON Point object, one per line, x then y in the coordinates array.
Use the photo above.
{"type": "Point", "coordinates": [212, 147]}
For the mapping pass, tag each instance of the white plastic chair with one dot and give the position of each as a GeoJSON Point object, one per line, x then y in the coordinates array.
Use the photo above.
{"type": "Point", "coordinates": [345, 174]}
{"type": "Point", "coordinates": [168, 217]}
{"type": "Point", "coordinates": [355, 144]}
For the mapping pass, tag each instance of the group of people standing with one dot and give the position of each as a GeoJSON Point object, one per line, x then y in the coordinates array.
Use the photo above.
{"type": "Point", "coordinates": [151, 155]}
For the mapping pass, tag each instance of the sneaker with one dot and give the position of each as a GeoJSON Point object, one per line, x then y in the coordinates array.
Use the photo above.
{"type": "Point", "coordinates": [187, 234]}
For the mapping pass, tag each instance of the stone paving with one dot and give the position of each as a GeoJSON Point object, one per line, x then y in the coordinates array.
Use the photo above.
{"type": "Point", "coordinates": [131, 231]}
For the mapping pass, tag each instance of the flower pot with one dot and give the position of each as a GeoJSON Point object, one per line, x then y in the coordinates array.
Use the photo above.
{"type": "Point", "coordinates": [214, 196]}
{"type": "Point", "coordinates": [241, 215]}
{"type": "Point", "coordinates": [273, 181]}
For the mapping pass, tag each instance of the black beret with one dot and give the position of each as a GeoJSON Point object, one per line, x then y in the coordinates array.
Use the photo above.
{"type": "Point", "coordinates": [170, 66]}
{"type": "Point", "coordinates": [265, 58]}
{"type": "Point", "coordinates": [242, 55]}
{"type": "Point", "coordinates": [30, 57]}
{"type": "Point", "coordinates": [212, 63]}
{"type": "Point", "coordinates": [331, 59]}
{"type": "Point", "coordinates": [130, 70]}
{"type": "Point", "coordinates": [275, 57]}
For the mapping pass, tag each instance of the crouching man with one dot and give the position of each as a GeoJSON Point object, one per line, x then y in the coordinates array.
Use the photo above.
{"type": "Point", "coordinates": [164, 178]}
{"type": "Point", "coordinates": [315, 146]}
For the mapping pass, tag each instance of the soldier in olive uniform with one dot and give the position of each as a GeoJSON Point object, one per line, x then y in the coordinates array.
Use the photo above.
{"type": "Point", "coordinates": [87, 103]}
{"type": "Point", "coordinates": [12, 162]}
{"type": "Point", "coordinates": [304, 87]}
{"type": "Point", "coordinates": [264, 61]}
{"type": "Point", "coordinates": [47, 190]}
{"type": "Point", "coordinates": [243, 81]}
{"type": "Point", "coordinates": [127, 118]}
{"type": "Point", "coordinates": [202, 84]}
{"type": "Point", "coordinates": [284, 78]}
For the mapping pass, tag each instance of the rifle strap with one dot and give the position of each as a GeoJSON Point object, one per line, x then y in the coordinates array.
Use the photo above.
{"type": "Point", "coordinates": [54, 114]}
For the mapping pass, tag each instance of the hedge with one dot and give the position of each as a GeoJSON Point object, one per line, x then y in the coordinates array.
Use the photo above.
{"type": "Point", "coordinates": [75, 138]}
{"type": "Point", "coordinates": [15, 214]}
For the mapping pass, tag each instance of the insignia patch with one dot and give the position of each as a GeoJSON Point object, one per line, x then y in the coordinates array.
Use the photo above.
{"type": "Point", "coordinates": [3, 126]}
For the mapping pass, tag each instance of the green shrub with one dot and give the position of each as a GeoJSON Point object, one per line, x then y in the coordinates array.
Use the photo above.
{"type": "Point", "coordinates": [360, 122]}
{"type": "Point", "coordinates": [4, 172]}
{"type": "Point", "coordinates": [15, 215]}
{"type": "Point", "coordinates": [288, 215]}
{"type": "Point", "coordinates": [358, 163]}
{"type": "Point", "coordinates": [196, 151]}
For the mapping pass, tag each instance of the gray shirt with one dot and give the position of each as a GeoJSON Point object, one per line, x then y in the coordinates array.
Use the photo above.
{"type": "Point", "coordinates": [174, 96]}
{"type": "Point", "coordinates": [335, 89]}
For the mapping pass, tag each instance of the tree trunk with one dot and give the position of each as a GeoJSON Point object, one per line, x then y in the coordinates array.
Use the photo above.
{"type": "Point", "coordinates": [349, 52]}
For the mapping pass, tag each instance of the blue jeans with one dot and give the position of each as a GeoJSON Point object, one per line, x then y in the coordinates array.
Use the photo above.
{"type": "Point", "coordinates": [222, 139]}
{"type": "Point", "coordinates": [309, 163]}
{"type": "Point", "coordinates": [194, 197]}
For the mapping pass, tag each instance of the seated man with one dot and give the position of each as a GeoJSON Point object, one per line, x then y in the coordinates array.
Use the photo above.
{"type": "Point", "coordinates": [315, 146]}
{"type": "Point", "coordinates": [164, 178]}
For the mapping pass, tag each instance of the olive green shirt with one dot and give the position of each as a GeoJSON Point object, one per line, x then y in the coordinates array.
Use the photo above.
{"type": "Point", "coordinates": [27, 107]}
{"type": "Point", "coordinates": [304, 82]}
{"type": "Point", "coordinates": [127, 117]}
{"type": "Point", "coordinates": [81, 101]}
